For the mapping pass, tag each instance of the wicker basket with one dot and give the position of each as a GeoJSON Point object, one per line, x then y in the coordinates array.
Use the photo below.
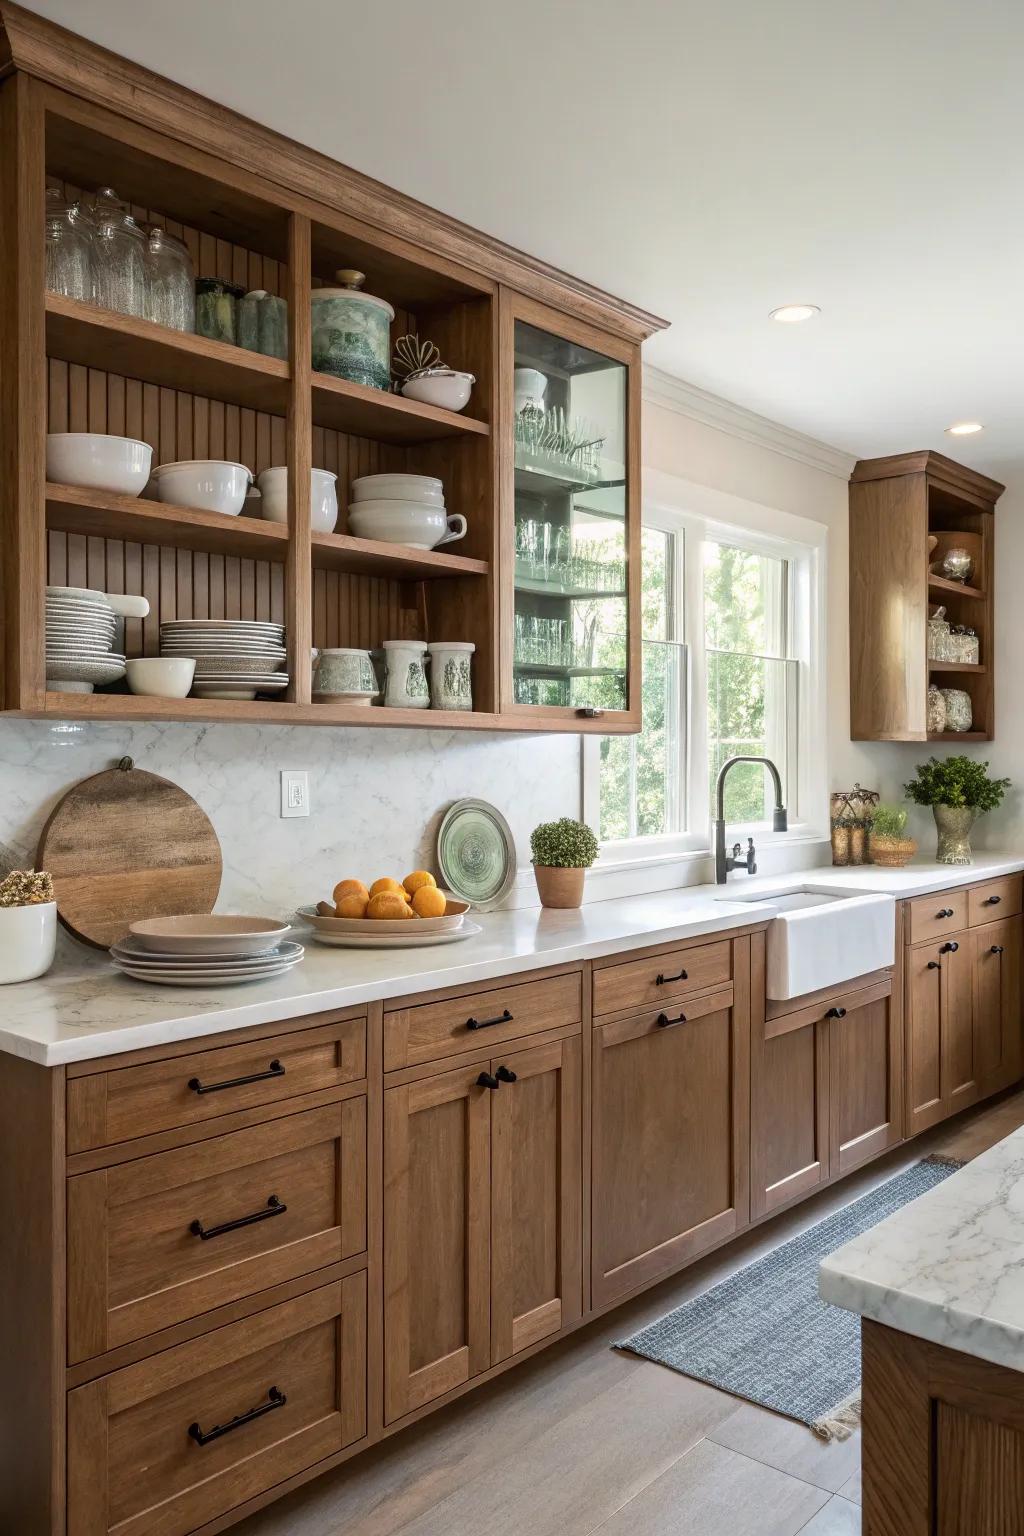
{"type": "Point", "coordinates": [893, 852]}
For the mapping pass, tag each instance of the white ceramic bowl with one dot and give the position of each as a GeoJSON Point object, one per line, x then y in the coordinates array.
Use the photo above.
{"type": "Point", "coordinates": [421, 488]}
{"type": "Point", "coordinates": [209, 485]}
{"type": "Point", "coordinates": [28, 940]}
{"type": "Point", "coordinates": [161, 677]}
{"type": "Point", "coordinates": [98, 462]}
{"type": "Point", "coordinates": [273, 486]}
{"type": "Point", "coordinates": [446, 388]}
{"type": "Point", "coordinates": [415, 524]}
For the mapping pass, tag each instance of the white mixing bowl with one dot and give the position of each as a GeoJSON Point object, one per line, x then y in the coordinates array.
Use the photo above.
{"type": "Point", "coordinates": [98, 462]}
{"type": "Point", "coordinates": [208, 485]}
{"type": "Point", "coordinates": [273, 487]}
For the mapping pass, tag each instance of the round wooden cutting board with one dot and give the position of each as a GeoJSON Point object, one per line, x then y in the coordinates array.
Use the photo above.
{"type": "Point", "coordinates": [125, 845]}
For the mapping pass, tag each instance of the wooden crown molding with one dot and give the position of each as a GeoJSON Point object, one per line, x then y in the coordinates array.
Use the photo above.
{"type": "Point", "coordinates": [39, 47]}
{"type": "Point", "coordinates": [685, 399]}
{"type": "Point", "coordinates": [943, 472]}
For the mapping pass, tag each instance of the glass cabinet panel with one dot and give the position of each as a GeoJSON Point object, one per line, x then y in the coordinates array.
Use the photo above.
{"type": "Point", "coordinates": [570, 646]}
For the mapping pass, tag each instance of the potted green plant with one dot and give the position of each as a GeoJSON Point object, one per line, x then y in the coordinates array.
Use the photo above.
{"type": "Point", "coordinates": [889, 845]}
{"type": "Point", "coordinates": [959, 790]}
{"type": "Point", "coordinates": [562, 852]}
{"type": "Point", "coordinates": [28, 925]}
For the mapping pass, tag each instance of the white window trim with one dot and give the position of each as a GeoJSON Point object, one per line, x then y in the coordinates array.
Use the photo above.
{"type": "Point", "coordinates": [695, 512]}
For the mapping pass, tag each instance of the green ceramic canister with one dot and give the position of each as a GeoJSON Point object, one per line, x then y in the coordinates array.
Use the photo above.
{"type": "Point", "coordinates": [352, 332]}
{"type": "Point", "coordinates": [263, 323]}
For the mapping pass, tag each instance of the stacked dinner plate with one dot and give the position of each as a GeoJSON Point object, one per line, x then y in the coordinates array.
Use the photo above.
{"type": "Point", "coordinates": [80, 631]}
{"type": "Point", "coordinates": [235, 658]}
{"type": "Point", "coordinates": [206, 950]}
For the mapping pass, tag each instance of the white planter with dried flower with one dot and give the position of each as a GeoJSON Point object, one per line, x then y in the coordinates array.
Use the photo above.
{"type": "Point", "coordinates": [28, 925]}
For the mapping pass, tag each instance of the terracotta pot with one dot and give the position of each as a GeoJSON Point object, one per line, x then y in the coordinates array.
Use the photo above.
{"type": "Point", "coordinates": [892, 852]}
{"type": "Point", "coordinates": [559, 887]}
{"type": "Point", "coordinates": [953, 824]}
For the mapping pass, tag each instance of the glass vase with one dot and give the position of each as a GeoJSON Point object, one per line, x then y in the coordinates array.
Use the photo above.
{"type": "Point", "coordinates": [953, 824]}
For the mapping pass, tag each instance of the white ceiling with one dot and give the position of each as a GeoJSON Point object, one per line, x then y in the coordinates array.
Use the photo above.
{"type": "Point", "coordinates": [707, 161]}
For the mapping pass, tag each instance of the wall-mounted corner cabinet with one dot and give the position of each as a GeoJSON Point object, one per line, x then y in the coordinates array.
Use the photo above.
{"type": "Point", "coordinates": [543, 463]}
{"type": "Point", "coordinates": [906, 511]}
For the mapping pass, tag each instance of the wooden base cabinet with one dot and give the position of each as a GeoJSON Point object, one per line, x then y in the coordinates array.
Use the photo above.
{"type": "Point", "coordinates": [482, 1217]}
{"type": "Point", "coordinates": [670, 1121]}
{"type": "Point", "coordinates": [826, 1090]}
{"type": "Point", "coordinates": [996, 950]}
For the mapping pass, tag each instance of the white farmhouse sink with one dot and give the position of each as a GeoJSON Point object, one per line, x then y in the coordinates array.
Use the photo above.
{"type": "Point", "coordinates": [822, 937]}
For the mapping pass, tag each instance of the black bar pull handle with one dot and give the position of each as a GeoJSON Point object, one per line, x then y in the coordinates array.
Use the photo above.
{"type": "Point", "coordinates": [273, 1208]}
{"type": "Point", "coordinates": [992, 901]}
{"type": "Point", "coordinates": [503, 1018]}
{"type": "Point", "coordinates": [944, 912]}
{"type": "Point", "coordinates": [949, 949]}
{"type": "Point", "coordinates": [274, 1070]}
{"type": "Point", "coordinates": [836, 1013]}
{"type": "Point", "coordinates": [663, 1021]}
{"type": "Point", "coordinates": [660, 980]}
{"type": "Point", "coordinates": [997, 949]}
{"type": "Point", "coordinates": [485, 1080]}
{"type": "Point", "coordinates": [505, 1075]}
{"type": "Point", "coordinates": [275, 1399]}
{"type": "Point", "coordinates": [933, 965]}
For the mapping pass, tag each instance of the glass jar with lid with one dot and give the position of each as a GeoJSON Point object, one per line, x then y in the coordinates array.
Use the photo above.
{"type": "Point", "coordinates": [69, 251]}
{"type": "Point", "coordinates": [971, 646]}
{"type": "Point", "coordinates": [170, 285]}
{"type": "Point", "coordinates": [939, 637]}
{"type": "Point", "coordinates": [119, 255]}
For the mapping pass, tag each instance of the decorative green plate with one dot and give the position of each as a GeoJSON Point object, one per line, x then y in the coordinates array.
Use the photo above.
{"type": "Point", "coordinates": [476, 854]}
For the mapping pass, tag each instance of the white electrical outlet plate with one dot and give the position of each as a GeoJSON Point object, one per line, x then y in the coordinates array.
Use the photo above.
{"type": "Point", "coordinates": [294, 792]}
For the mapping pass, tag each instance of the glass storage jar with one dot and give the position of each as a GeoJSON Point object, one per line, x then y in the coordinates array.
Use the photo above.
{"type": "Point", "coordinates": [262, 323]}
{"type": "Point", "coordinates": [217, 309]}
{"type": "Point", "coordinates": [936, 711]}
{"type": "Point", "coordinates": [971, 647]}
{"type": "Point", "coordinates": [959, 714]}
{"type": "Point", "coordinates": [68, 248]}
{"type": "Point", "coordinates": [170, 289]}
{"type": "Point", "coordinates": [119, 255]}
{"type": "Point", "coordinates": [939, 637]}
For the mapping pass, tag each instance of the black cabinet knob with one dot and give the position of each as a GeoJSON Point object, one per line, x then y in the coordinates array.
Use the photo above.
{"type": "Point", "coordinates": [485, 1080]}
{"type": "Point", "coordinates": [505, 1075]}
{"type": "Point", "coordinates": [836, 1013]}
{"type": "Point", "coordinates": [944, 912]}
{"type": "Point", "coordinates": [949, 949]}
{"type": "Point", "coordinates": [992, 901]}
{"type": "Point", "coordinates": [997, 949]}
{"type": "Point", "coordinates": [933, 965]}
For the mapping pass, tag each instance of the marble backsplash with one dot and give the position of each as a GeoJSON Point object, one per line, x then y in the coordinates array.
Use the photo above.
{"type": "Point", "coordinates": [377, 796]}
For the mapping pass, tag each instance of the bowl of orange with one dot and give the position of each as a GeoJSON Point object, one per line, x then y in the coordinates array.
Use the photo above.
{"type": "Point", "coordinates": [410, 911]}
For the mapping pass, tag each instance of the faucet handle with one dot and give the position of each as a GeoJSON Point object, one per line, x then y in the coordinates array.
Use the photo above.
{"type": "Point", "coordinates": [736, 850]}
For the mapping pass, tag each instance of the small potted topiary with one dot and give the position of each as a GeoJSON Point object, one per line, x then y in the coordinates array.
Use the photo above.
{"type": "Point", "coordinates": [959, 790]}
{"type": "Point", "coordinates": [889, 846]}
{"type": "Point", "coordinates": [562, 851]}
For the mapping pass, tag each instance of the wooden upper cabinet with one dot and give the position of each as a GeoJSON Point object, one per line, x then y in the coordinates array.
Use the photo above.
{"type": "Point", "coordinates": [670, 1138]}
{"type": "Point", "coordinates": [897, 505]}
{"type": "Point", "coordinates": [569, 521]}
{"type": "Point", "coordinates": [253, 207]}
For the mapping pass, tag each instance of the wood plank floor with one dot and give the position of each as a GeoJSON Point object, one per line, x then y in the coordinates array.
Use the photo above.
{"type": "Point", "coordinates": [582, 1439]}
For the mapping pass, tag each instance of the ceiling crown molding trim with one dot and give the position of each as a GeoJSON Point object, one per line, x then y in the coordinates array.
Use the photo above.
{"type": "Point", "coordinates": [674, 394]}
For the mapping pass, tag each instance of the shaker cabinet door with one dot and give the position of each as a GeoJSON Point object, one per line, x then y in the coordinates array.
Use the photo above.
{"type": "Point", "coordinates": [996, 993]}
{"type": "Point", "coordinates": [923, 1012]}
{"type": "Point", "coordinates": [866, 1072]}
{"type": "Point", "coordinates": [789, 1111]}
{"type": "Point", "coordinates": [670, 1139]}
{"type": "Point", "coordinates": [536, 1195]}
{"type": "Point", "coordinates": [436, 1237]}
{"type": "Point", "coordinates": [959, 1058]}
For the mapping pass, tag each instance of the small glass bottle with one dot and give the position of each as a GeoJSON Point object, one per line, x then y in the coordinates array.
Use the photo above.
{"type": "Point", "coordinates": [170, 291]}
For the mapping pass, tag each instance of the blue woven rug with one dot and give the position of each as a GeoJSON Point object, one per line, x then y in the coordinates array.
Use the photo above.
{"type": "Point", "coordinates": [765, 1334]}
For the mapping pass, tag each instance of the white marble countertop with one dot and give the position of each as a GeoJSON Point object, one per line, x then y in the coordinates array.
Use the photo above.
{"type": "Point", "coordinates": [949, 1267]}
{"type": "Point", "coordinates": [98, 1012]}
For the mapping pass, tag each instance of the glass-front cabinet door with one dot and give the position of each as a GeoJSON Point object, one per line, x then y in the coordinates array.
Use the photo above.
{"type": "Point", "coordinates": [572, 514]}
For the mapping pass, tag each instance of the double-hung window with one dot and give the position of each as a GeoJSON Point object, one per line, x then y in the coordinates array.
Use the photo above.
{"type": "Point", "coordinates": [729, 670]}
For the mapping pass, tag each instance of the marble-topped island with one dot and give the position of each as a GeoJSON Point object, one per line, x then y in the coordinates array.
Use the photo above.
{"type": "Point", "coordinates": [940, 1286]}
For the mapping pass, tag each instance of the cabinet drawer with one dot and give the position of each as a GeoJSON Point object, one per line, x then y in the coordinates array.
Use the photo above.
{"type": "Point", "coordinates": [284, 1389]}
{"type": "Point", "coordinates": [117, 1105]}
{"type": "Point", "coordinates": [825, 1006]}
{"type": "Point", "coordinates": [165, 1238]}
{"type": "Point", "coordinates": [428, 1031]}
{"type": "Point", "coordinates": [656, 979]}
{"type": "Point", "coordinates": [994, 900]}
{"type": "Point", "coordinates": [932, 917]}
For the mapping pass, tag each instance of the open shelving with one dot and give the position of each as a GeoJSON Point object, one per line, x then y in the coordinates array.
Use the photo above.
{"type": "Point", "coordinates": [85, 369]}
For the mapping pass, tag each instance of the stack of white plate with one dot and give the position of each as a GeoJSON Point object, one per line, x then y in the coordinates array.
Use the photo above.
{"type": "Point", "coordinates": [80, 631]}
{"type": "Point", "coordinates": [206, 950]}
{"type": "Point", "coordinates": [403, 509]}
{"type": "Point", "coordinates": [235, 658]}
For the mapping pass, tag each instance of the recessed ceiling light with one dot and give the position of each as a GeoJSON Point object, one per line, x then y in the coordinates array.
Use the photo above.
{"type": "Point", "coordinates": [964, 428]}
{"type": "Point", "coordinates": [792, 314]}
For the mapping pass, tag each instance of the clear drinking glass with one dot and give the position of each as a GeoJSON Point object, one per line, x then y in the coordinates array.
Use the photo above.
{"type": "Point", "coordinates": [119, 256]}
{"type": "Point", "coordinates": [171, 285]}
{"type": "Point", "coordinates": [69, 254]}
